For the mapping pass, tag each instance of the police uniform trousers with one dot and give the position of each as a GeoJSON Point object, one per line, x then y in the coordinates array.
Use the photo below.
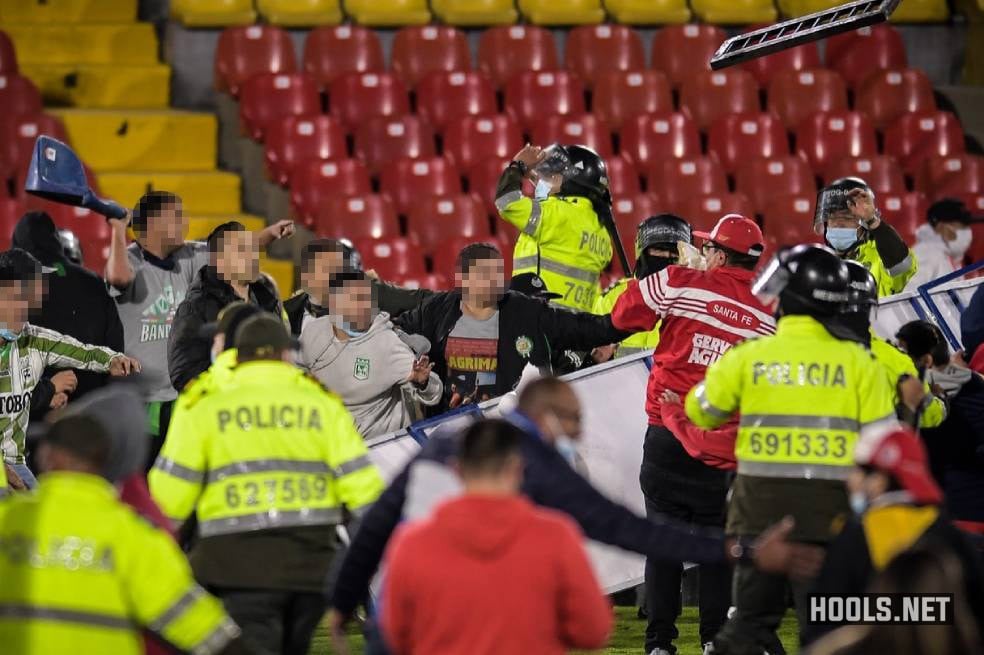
{"type": "Point", "coordinates": [274, 622]}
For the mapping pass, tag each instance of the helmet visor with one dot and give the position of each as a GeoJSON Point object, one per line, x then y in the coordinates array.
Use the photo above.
{"type": "Point", "coordinates": [771, 280]}
{"type": "Point", "coordinates": [833, 201]}
{"type": "Point", "coordinates": [555, 162]}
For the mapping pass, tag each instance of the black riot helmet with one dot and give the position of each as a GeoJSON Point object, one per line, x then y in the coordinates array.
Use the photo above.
{"type": "Point", "coordinates": [583, 170]}
{"type": "Point", "coordinates": [806, 279]}
{"type": "Point", "coordinates": [863, 292]}
{"type": "Point", "coordinates": [663, 231]}
{"type": "Point", "coordinates": [833, 199]}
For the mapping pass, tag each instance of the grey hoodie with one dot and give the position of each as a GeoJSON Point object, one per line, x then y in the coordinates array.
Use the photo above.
{"type": "Point", "coordinates": [369, 372]}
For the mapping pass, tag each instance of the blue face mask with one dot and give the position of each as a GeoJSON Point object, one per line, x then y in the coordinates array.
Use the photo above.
{"type": "Point", "coordinates": [842, 238]}
{"type": "Point", "coordinates": [9, 335]}
{"type": "Point", "coordinates": [859, 502]}
{"type": "Point", "coordinates": [346, 327]}
{"type": "Point", "coordinates": [542, 190]}
{"type": "Point", "coordinates": [565, 446]}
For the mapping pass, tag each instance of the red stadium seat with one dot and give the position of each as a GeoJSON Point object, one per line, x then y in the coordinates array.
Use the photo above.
{"type": "Point", "coordinates": [704, 211]}
{"type": "Point", "coordinates": [270, 97]}
{"type": "Point", "coordinates": [796, 95]}
{"type": "Point", "coordinates": [593, 50]}
{"type": "Point", "coordinates": [392, 258]}
{"type": "Point", "coordinates": [682, 50]}
{"type": "Point", "coordinates": [473, 139]}
{"type": "Point", "coordinates": [243, 52]}
{"type": "Point", "coordinates": [623, 178]}
{"type": "Point", "coordinates": [18, 96]}
{"type": "Point", "coordinates": [8, 56]}
{"type": "Point", "coordinates": [356, 217]}
{"type": "Point", "coordinates": [92, 229]}
{"type": "Point", "coordinates": [940, 177]}
{"type": "Point", "coordinates": [446, 254]}
{"type": "Point", "coordinates": [801, 57]}
{"type": "Point", "coordinates": [483, 177]}
{"type": "Point", "coordinates": [913, 138]}
{"type": "Point", "coordinates": [432, 281]}
{"type": "Point", "coordinates": [709, 95]}
{"type": "Point", "coordinates": [300, 138]}
{"type": "Point", "coordinates": [629, 211]}
{"type": "Point", "coordinates": [737, 138]}
{"type": "Point", "coordinates": [434, 219]}
{"type": "Point", "coordinates": [17, 136]}
{"type": "Point", "coordinates": [532, 95]}
{"type": "Point", "coordinates": [410, 181]}
{"type": "Point", "coordinates": [11, 211]}
{"type": "Point", "coordinates": [675, 180]}
{"type": "Point", "coordinates": [585, 129]}
{"type": "Point", "coordinates": [858, 54]}
{"type": "Point", "coordinates": [789, 219]}
{"type": "Point", "coordinates": [357, 97]}
{"type": "Point", "coordinates": [619, 96]}
{"type": "Point", "coordinates": [505, 51]}
{"type": "Point", "coordinates": [881, 172]}
{"type": "Point", "coordinates": [443, 97]}
{"type": "Point", "coordinates": [382, 140]}
{"type": "Point", "coordinates": [330, 52]}
{"type": "Point", "coordinates": [761, 179]}
{"type": "Point", "coordinates": [315, 181]}
{"type": "Point", "coordinates": [653, 137]}
{"type": "Point", "coordinates": [905, 212]}
{"type": "Point", "coordinates": [827, 137]}
{"type": "Point", "coordinates": [424, 49]}
{"type": "Point", "coordinates": [886, 95]}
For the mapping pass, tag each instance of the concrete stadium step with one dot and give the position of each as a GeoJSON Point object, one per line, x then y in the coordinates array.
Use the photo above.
{"type": "Point", "coordinates": [214, 192]}
{"type": "Point", "coordinates": [68, 11]}
{"type": "Point", "coordinates": [104, 43]}
{"type": "Point", "coordinates": [148, 140]}
{"type": "Point", "coordinates": [199, 227]}
{"type": "Point", "coordinates": [102, 86]}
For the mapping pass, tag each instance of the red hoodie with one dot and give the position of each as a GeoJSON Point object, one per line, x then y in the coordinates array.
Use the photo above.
{"type": "Point", "coordinates": [490, 575]}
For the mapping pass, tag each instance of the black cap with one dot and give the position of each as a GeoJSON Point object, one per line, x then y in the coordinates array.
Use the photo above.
{"type": "Point", "coordinates": [20, 265]}
{"type": "Point", "coordinates": [263, 335]}
{"type": "Point", "coordinates": [949, 210]}
{"type": "Point", "coordinates": [532, 285]}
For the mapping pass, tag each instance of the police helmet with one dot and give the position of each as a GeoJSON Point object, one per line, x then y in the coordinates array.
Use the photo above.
{"type": "Point", "coordinates": [71, 246]}
{"type": "Point", "coordinates": [806, 279]}
{"type": "Point", "coordinates": [661, 229]}
{"type": "Point", "coordinates": [353, 260]}
{"type": "Point", "coordinates": [583, 170]}
{"type": "Point", "coordinates": [833, 199]}
{"type": "Point", "coordinates": [863, 292]}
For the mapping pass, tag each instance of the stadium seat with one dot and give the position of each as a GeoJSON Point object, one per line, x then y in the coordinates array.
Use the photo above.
{"type": "Point", "coordinates": [356, 217]}
{"type": "Point", "coordinates": [270, 97]}
{"type": "Point", "coordinates": [483, 177]}
{"type": "Point", "coordinates": [940, 177]}
{"type": "Point", "coordinates": [735, 138]}
{"type": "Point", "coordinates": [432, 281]}
{"type": "Point", "coordinates": [382, 140]}
{"type": "Point", "coordinates": [315, 181]}
{"type": "Point", "coordinates": [246, 51]}
{"type": "Point", "coordinates": [623, 178]}
{"type": "Point", "coordinates": [17, 136]}
{"type": "Point", "coordinates": [921, 11]}
{"type": "Point", "coordinates": [826, 137]}
{"type": "Point", "coordinates": [446, 254]}
{"type": "Point", "coordinates": [434, 219]}
{"type": "Point", "coordinates": [761, 179]}
{"type": "Point", "coordinates": [905, 212]}
{"type": "Point", "coordinates": [704, 211]}
{"type": "Point", "coordinates": [682, 50]}
{"type": "Point", "coordinates": [418, 51]}
{"type": "Point", "coordinates": [789, 219]}
{"type": "Point", "coordinates": [212, 13]}
{"type": "Point", "coordinates": [534, 94]}
{"type": "Point", "coordinates": [503, 52]}
{"type": "Point", "coordinates": [68, 11]}
{"type": "Point", "coordinates": [388, 13]}
{"type": "Point", "coordinates": [650, 138]}
{"type": "Point", "coordinates": [881, 172]}
{"type": "Point", "coordinates": [858, 54]}
{"type": "Point", "coordinates": [585, 129]}
{"type": "Point", "coordinates": [593, 50]}
{"type": "Point", "coordinates": [300, 13]}
{"type": "Point", "coordinates": [84, 44]}
{"type": "Point", "coordinates": [675, 180]}
{"type": "Point", "coordinates": [442, 97]}
{"type": "Point", "coordinates": [648, 12]}
{"type": "Point", "coordinates": [629, 211]}
{"type": "Point", "coordinates": [801, 57]}
{"type": "Point", "coordinates": [8, 56]}
{"type": "Point", "coordinates": [92, 230]}
{"type": "Point", "coordinates": [11, 210]}
{"type": "Point", "coordinates": [796, 95]}
{"type": "Point", "coordinates": [330, 52]}
{"type": "Point", "coordinates": [357, 97]}
{"type": "Point", "coordinates": [475, 13]}
{"type": "Point", "coordinates": [473, 139]}
{"type": "Point", "coordinates": [202, 192]}
{"type": "Point", "coordinates": [796, 8]}
{"type": "Point", "coordinates": [18, 96]}
{"type": "Point", "coordinates": [913, 138]}
{"type": "Point", "coordinates": [409, 181]}
{"type": "Point", "coordinates": [618, 96]}
{"type": "Point", "coordinates": [300, 138]}
{"type": "Point", "coordinates": [709, 95]}
{"type": "Point", "coordinates": [392, 258]}
{"type": "Point", "coordinates": [568, 12]}
{"type": "Point", "coordinates": [886, 95]}
{"type": "Point", "coordinates": [734, 12]}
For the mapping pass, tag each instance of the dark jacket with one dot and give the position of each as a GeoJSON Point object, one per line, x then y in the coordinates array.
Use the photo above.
{"type": "Point", "coordinates": [188, 352]}
{"type": "Point", "coordinates": [548, 480]}
{"type": "Point", "coordinates": [76, 304]}
{"type": "Point", "coordinates": [392, 299]}
{"type": "Point", "coordinates": [972, 324]}
{"type": "Point", "coordinates": [543, 329]}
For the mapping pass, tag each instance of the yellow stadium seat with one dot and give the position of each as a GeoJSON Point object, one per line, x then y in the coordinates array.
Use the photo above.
{"type": "Point", "coordinates": [795, 8]}
{"type": "Point", "coordinates": [213, 13]}
{"type": "Point", "coordinates": [300, 13]}
{"type": "Point", "coordinates": [649, 12]}
{"type": "Point", "coordinates": [96, 86]}
{"type": "Point", "coordinates": [214, 192]}
{"type": "Point", "coordinates": [282, 272]}
{"type": "Point", "coordinates": [68, 11]}
{"type": "Point", "coordinates": [562, 12]}
{"type": "Point", "coordinates": [921, 11]}
{"type": "Point", "coordinates": [130, 44]}
{"type": "Point", "coordinates": [734, 12]}
{"type": "Point", "coordinates": [471, 13]}
{"type": "Point", "coordinates": [143, 140]}
{"type": "Point", "coordinates": [199, 227]}
{"type": "Point", "coordinates": [388, 13]}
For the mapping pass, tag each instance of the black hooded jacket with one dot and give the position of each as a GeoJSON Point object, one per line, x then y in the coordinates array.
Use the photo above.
{"type": "Point", "coordinates": [76, 304]}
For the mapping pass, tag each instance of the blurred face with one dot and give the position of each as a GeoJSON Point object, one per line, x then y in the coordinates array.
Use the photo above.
{"type": "Point", "coordinates": [15, 304]}
{"type": "Point", "coordinates": [353, 303]}
{"type": "Point", "coordinates": [871, 485]}
{"type": "Point", "coordinates": [483, 282]}
{"type": "Point", "coordinates": [238, 259]}
{"type": "Point", "coordinates": [561, 416]}
{"type": "Point", "coordinates": [842, 219]}
{"type": "Point", "coordinates": [168, 228]}
{"type": "Point", "coordinates": [322, 268]}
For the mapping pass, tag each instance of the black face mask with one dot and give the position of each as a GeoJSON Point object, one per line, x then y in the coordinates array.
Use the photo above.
{"type": "Point", "coordinates": [648, 265]}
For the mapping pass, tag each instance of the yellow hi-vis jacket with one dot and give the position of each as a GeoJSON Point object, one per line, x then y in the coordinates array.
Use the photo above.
{"type": "Point", "coordinates": [637, 342]}
{"type": "Point", "coordinates": [897, 363]}
{"type": "Point", "coordinates": [217, 375]}
{"type": "Point", "coordinates": [82, 573]}
{"type": "Point", "coordinates": [561, 239]}
{"type": "Point", "coordinates": [889, 281]}
{"type": "Point", "coordinates": [270, 449]}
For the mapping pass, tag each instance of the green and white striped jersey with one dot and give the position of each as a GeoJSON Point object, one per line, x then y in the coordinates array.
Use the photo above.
{"type": "Point", "coordinates": [22, 363]}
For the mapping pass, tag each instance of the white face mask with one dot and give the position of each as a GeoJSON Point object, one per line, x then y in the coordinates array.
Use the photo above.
{"type": "Point", "coordinates": [542, 189]}
{"type": "Point", "coordinates": [567, 448]}
{"type": "Point", "coordinates": [958, 247]}
{"type": "Point", "coordinates": [859, 502]}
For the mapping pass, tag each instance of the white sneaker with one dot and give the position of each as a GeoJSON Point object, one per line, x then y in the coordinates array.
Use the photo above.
{"type": "Point", "coordinates": [708, 648]}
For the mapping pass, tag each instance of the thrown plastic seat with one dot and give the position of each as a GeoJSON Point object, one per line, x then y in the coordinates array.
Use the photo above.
{"type": "Point", "coordinates": [736, 138]}
{"type": "Point", "coordinates": [19, 96]}
{"type": "Point", "coordinates": [18, 133]}
{"type": "Point", "coordinates": [858, 54]}
{"type": "Point", "coordinates": [886, 95]}
{"type": "Point", "coordinates": [356, 217]}
{"type": "Point", "coordinates": [388, 13]}
{"type": "Point", "coordinates": [270, 97]}
{"type": "Point", "coordinates": [801, 57]}
{"type": "Point", "coordinates": [243, 52]}
{"type": "Point", "coordinates": [475, 13]}
{"type": "Point", "coordinates": [584, 129]}
{"type": "Point", "coordinates": [472, 139]}
{"type": "Point", "coordinates": [435, 218]}
{"type": "Point", "coordinates": [330, 52]}
{"type": "Point", "coordinates": [314, 181]}
{"type": "Point", "coordinates": [8, 56]}
{"type": "Point", "coordinates": [904, 211]}
{"type": "Point", "coordinates": [382, 140]}
{"type": "Point", "coordinates": [709, 95]}
{"type": "Point", "coordinates": [881, 172]}
{"type": "Point", "coordinates": [704, 211]}
{"type": "Point", "coordinates": [300, 13]}
{"type": "Point", "coordinates": [354, 98]}
{"type": "Point", "coordinates": [734, 12]}
{"type": "Point", "coordinates": [653, 137]}
{"type": "Point", "coordinates": [409, 181]}
{"type": "Point", "coordinates": [425, 49]}
{"type": "Point", "coordinates": [795, 95]}
{"type": "Point", "coordinates": [534, 94]}
{"type": "Point", "coordinates": [568, 12]}
{"type": "Point", "coordinates": [503, 52]}
{"type": "Point", "coordinates": [205, 13]}
{"type": "Point", "coordinates": [621, 95]}
{"type": "Point", "coordinates": [300, 138]}
{"type": "Point", "coordinates": [762, 179]}
{"type": "Point", "coordinates": [913, 138]}
{"type": "Point", "coordinates": [827, 137]}
{"type": "Point", "coordinates": [392, 258]}
{"type": "Point", "coordinates": [960, 175]}
{"type": "Point", "coordinates": [682, 50]}
{"type": "Point", "coordinates": [788, 218]}
{"type": "Point", "coordinates": [675, 180]}
{"type": "Point", "coordinates": [443, 97]}
{"type": "Point", "coordinates": [593, 50]}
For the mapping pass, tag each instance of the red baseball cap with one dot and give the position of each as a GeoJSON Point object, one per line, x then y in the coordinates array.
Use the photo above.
{"type": "Point", "coordinates": [738, 233]}
{"type": "Point", "coordinates": [900, 453]}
